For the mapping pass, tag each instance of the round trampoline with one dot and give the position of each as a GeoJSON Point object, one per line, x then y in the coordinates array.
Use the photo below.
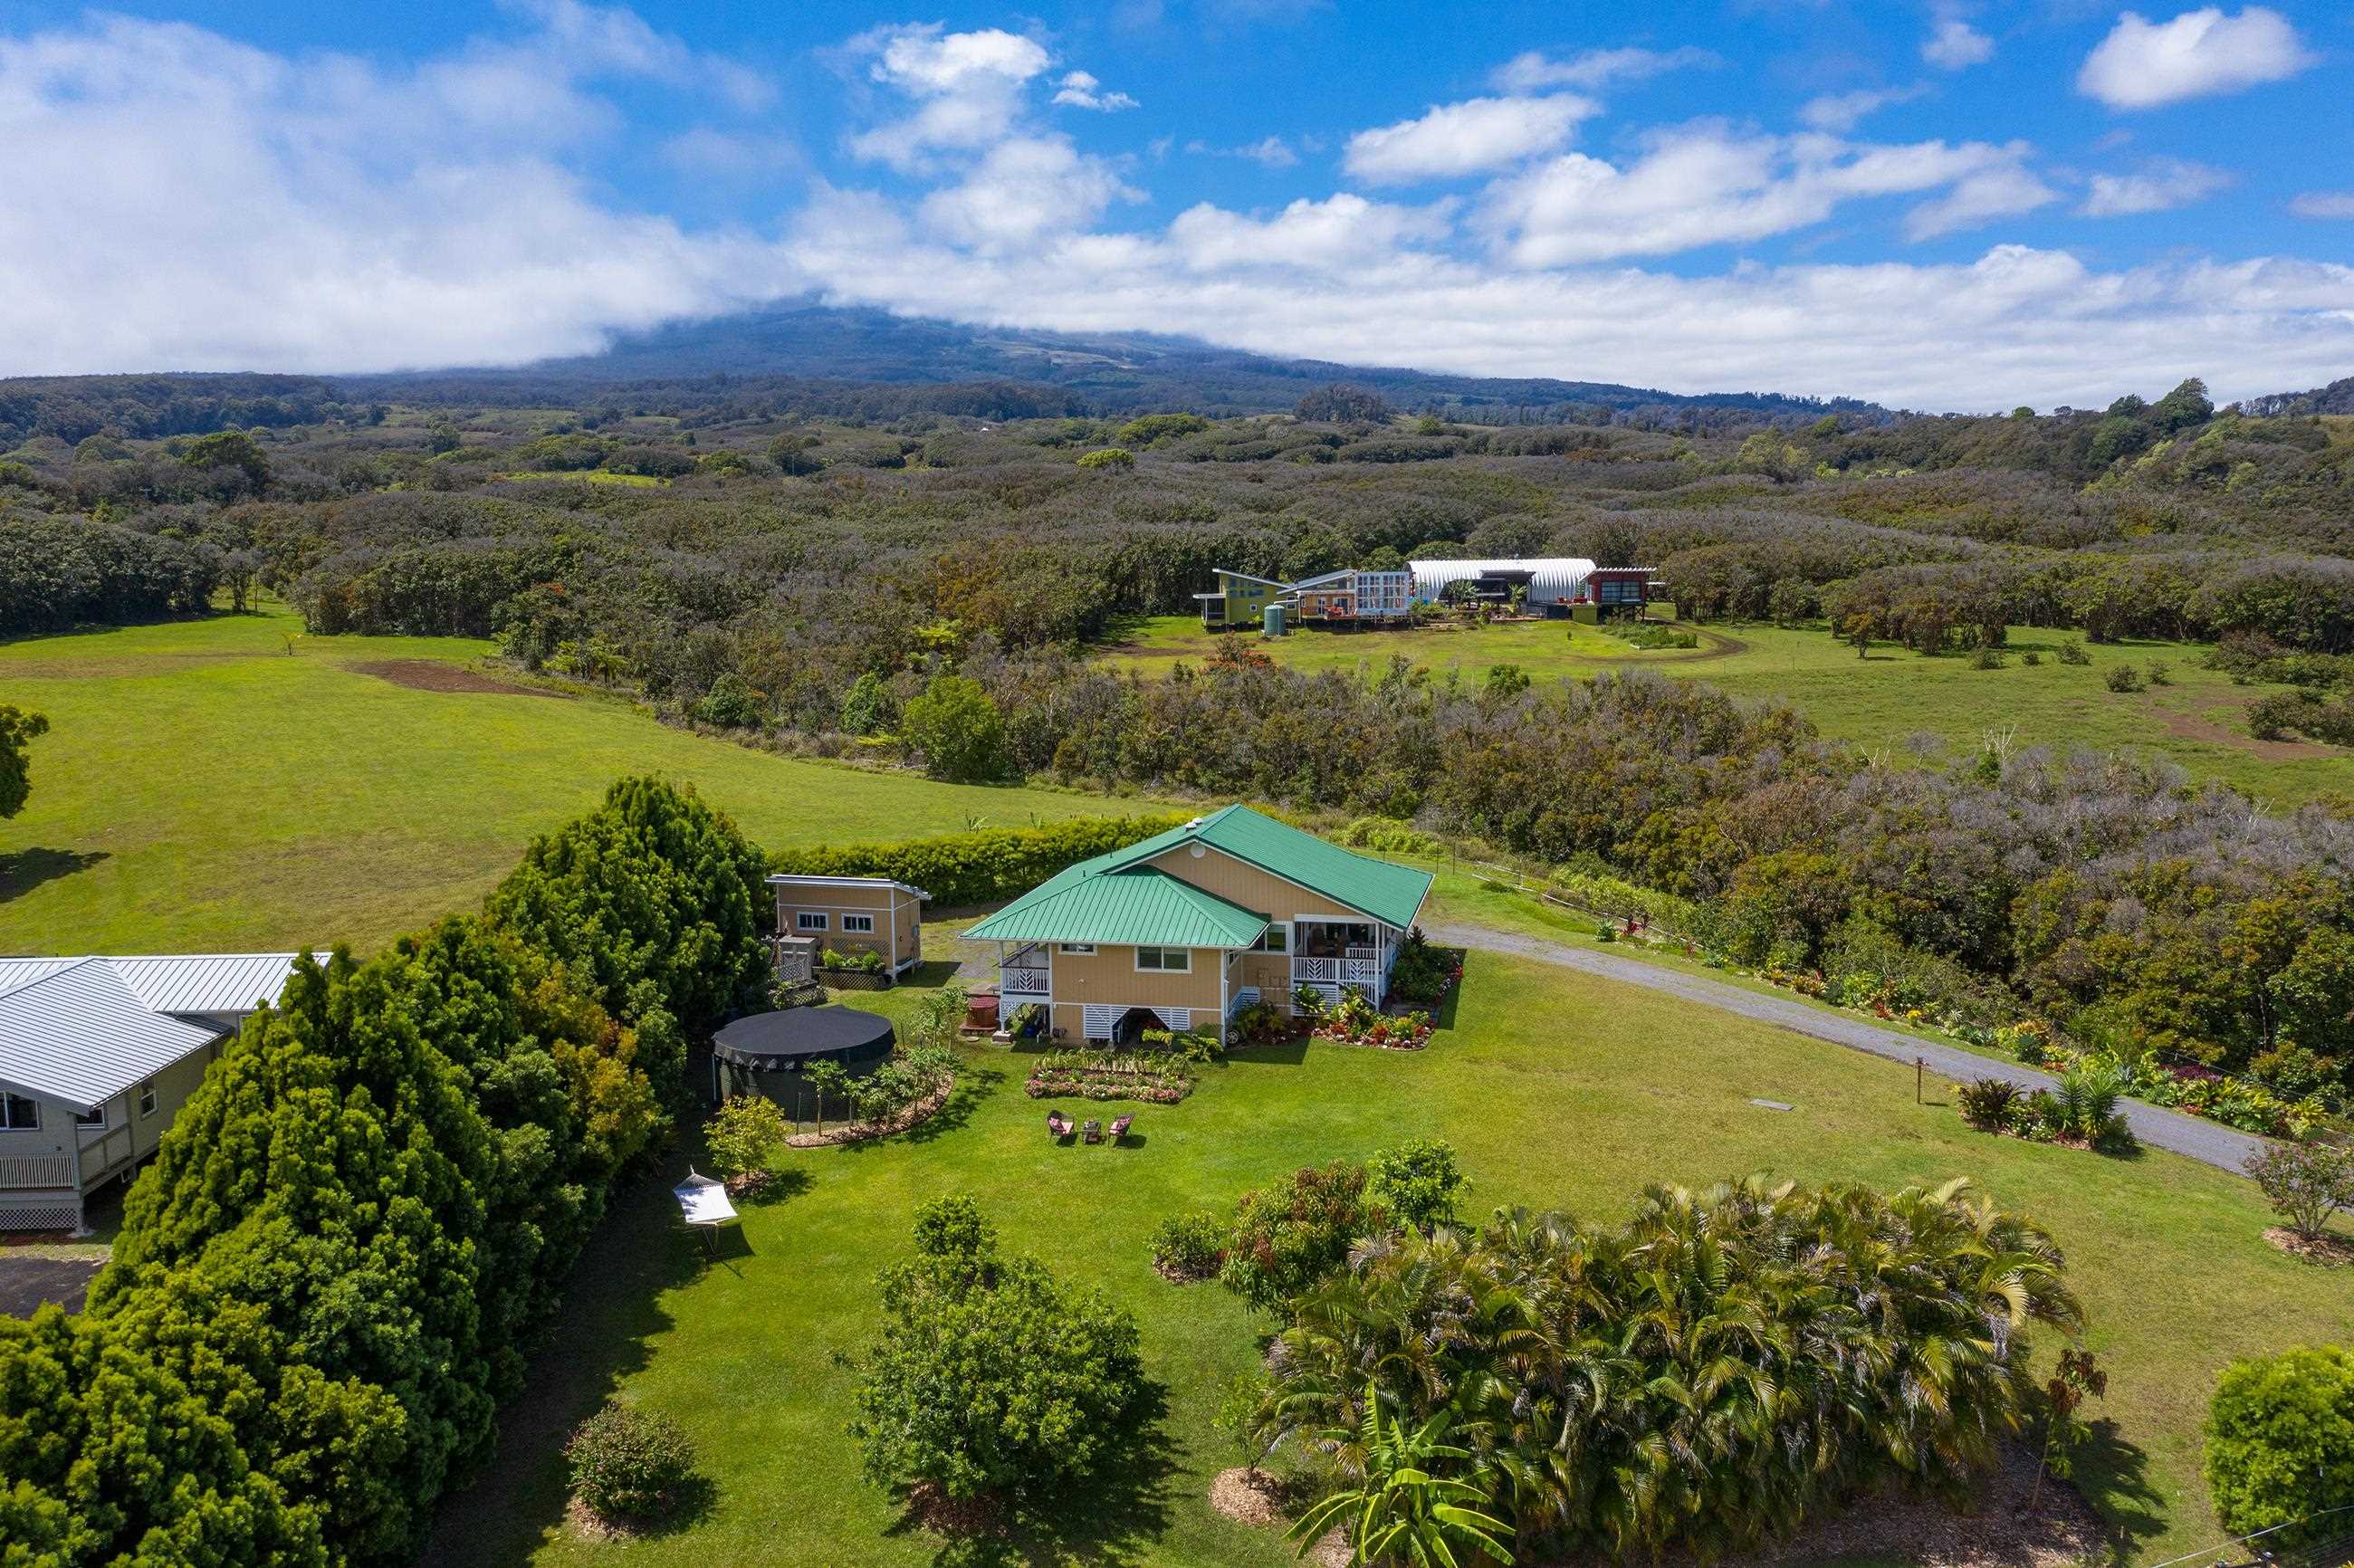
{"type": "Point", "coordinates": [768, 1053]}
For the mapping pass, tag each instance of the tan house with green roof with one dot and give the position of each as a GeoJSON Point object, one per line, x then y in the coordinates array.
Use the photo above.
{"type": "Point", "coordinates": [1182, 931]}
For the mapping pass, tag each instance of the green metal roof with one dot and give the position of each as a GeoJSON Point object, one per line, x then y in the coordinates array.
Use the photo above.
{"type": "Point", "coordinates": [1135, 906]}
{"type": "Point", "coordinates": [1095, 899]}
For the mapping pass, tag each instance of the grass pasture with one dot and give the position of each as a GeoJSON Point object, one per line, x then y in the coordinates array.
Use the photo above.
{"type": "Point", "coordinates": [1557, 1089]}
{"type": "Point", "coordinates": [1881, 701]}
{"type": "Point", "coordinates": [201, 790]}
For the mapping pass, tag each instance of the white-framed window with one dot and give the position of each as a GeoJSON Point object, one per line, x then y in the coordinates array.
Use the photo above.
{"type": "Point", "coordinates": [1275, 939]}
{"type": "Point", "coordinates": [1166, 961]}
{"type": "Point", "coordinates": [147, 1097]}
{"type": "Point", "coordinates": [858, 922]}
{"type": "Point", "coordinates": [809, 920]}
{"type": "Point", "coordinates": [92, 1118]}
{"type": "Point", "coordinates": [1083, 949]}
{"type": "Point", "coordinates": [19, 1114]}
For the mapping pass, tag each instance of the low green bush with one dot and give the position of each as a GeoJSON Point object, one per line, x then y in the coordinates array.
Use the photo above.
{"type": "Point", "coordinates": [2280, 1443]}
{"type": "Point", "coordinates": [861, 963]}
{"type": "Point", "coordinates": [1188, 1246]}
{"type": "Point", "coordinates": [629, 1464]}
{"type": "Point", "coordinates": [2122, 678]}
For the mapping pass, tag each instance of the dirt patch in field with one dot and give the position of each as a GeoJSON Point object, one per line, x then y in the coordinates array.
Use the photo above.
{"type": "Point", "coordinates": [431, 675]}
{"type": "Point", "coordinates": [2194, 726]}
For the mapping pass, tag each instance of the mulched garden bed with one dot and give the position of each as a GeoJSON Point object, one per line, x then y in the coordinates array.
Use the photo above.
{"type": "Point", "coordinates": [1253, 1497]}
{"type": "Point", "coordinates": [860, 1131]}
{"type": "Point", "coordinates": [2329, 1252]}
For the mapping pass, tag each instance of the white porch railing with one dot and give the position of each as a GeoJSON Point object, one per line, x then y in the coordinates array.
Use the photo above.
{"type": "Point", "coordinates": [1336, 971]}
{"type": "Point", "coordinates": [1012, 981]}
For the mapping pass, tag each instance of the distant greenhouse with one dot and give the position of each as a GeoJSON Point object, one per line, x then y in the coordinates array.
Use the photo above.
{"type": "Point", "coordinates": [1550, 580]}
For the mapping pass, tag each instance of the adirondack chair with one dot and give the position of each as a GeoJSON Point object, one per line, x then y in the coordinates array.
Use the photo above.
{"type": "Point", "coordinates": [1058, 1126]}
{"type": "Point", "coordinates": [1120, 1127]}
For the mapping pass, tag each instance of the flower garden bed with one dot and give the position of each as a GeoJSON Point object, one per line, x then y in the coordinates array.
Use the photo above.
{"type": "Point", "coordinates": [1109, 1076]}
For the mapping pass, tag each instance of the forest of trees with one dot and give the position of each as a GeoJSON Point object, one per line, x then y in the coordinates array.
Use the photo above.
{"type": "Point", "coordinates": [814, 582]}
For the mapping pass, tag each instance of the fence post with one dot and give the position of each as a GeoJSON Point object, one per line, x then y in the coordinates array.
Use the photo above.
{"type": "Point", "coordinates": [1919, 1067]}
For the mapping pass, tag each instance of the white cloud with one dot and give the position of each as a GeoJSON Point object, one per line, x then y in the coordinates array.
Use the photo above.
{"type": "Point", "coordinates": [2002, 190]}
{"type": "Point", "coordinates": [968, 88]}
{"type": "Point", "coordinates": [2144, 64]}
{"type": "Point", "coordinates": [1457, 139]}
{"type": "Point", "coordinates": [1840, 113]}
{"type": "Point", "coordinates": [703, 150]}
{"type": "Point", "coordinates": [1955, 45]}
{"type": "Point", "coordinates": [2015, 326]}
{"type": "Point", "coordinates": [1267, 152]}
{"type": "Point", "coordinates": [2323, 204]}
{"type": "Point", "coordinates": [193, 203]}
{"type": "Point", "coordinates": [1024, 188]}
{"type": "Point", "coordinates": [1596, 68]}
{"type": "Point", "coordinates": [1705, 185]}
{"type": "Point", "coordinates": [615, 39]}
{"type": "Point", "coordinates": [1080, 90]}
{"type": "Point", "coordinates": [326, 213]}
{"type": "Point", "coordinates": [2162, 186]}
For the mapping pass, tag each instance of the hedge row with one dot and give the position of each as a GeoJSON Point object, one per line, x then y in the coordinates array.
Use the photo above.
{"type": "Point", "coordinates": [325, 1284]}
{"type": "Point", "coordinates": [985, 867]}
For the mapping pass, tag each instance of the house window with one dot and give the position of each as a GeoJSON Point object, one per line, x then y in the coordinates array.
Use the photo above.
{"type": "Point", "coordinates": [1166, 961]}
{"type": "Point", "coordinates": [1085, 950]}
{"type": "Point", "coordinates": [95, 1118]}
{"type": "Point", "coordinates": [147, 1097]}
{"type": "Point", "coordinates": [1274, 939]}
{"type": "Point", "coordinates": [804, 920]}
{"type": "Point", "coordinates": [19, 1114]}
{"type": "Point", "coordinates": [858, 922]}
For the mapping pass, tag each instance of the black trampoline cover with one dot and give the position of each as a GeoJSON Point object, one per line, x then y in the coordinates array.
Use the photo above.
{"type": "Point", "coordinates": [799, 1033]}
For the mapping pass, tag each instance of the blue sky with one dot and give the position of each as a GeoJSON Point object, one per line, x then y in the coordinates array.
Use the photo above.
{"type": "Point", "coordinates": [1943, 205]}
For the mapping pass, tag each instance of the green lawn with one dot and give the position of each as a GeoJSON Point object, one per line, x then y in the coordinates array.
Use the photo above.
{"type": "Point", "coordinates": [1557, 1090]}
{"type": "Point", "coordinates": [201, 790]}
{"type": "Point", "coordinates": [1878, 702]}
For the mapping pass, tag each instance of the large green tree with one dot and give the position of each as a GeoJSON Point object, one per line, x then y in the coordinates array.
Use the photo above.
{"type": "Point", "coordinates": [989, 1376]}
{"type": "Point", "coordinates": [18, 729]}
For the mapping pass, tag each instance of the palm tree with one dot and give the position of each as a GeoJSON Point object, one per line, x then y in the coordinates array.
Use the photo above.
{"type": "Point", "coordinates": [1403, 1510]}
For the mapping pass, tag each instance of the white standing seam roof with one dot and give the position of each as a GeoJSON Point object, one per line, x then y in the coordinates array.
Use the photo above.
{"type": "Point", "coordinates": [781, 879]}
{"type": "Point", "coordinates": [81, 1030]}
{"type": "Point", "coordinates": [1561, 576]}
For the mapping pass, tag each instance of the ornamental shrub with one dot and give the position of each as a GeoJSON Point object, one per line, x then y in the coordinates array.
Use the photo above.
{"type": "Point", "coordinates": [1047, 1378]}
{"type": "Point", "coordinates": [629, 1464]}
{"type": "Point", "coordinates": [1188, 1246]}
{"type": "Point", "coordinates": [2307, 1184]}
{"type": "Point", "coordinates": [1988, 1104]}
{"type": "Point", "coordinates": [2280, 1441]}
{"type": "Point", "coordinates": [744, 1133]}
{"type": "Point", "coordinates": [1285, 1238]}
{"type": "Point", "coordinates": [1416, 1182]}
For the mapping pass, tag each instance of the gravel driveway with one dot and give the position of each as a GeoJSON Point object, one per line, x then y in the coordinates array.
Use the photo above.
{"type": "Point", "coordinates": [28, 1278]}
{"type": "Point", "coordinates": [2208, 1142]}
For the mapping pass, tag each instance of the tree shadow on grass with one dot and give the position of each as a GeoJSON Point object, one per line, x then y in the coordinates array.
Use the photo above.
{"type": "Point", "coordinates": [2113, 1475]}
{"type": "Point", "coordinates": [611, 1312]}
{"type": "Point", "coordinates": [28, 869]}
{"type": "Point", "coordinates": [1117, 1516]}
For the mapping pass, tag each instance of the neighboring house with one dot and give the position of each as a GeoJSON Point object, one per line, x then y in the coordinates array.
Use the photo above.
{"type": "Point", "coordinates": [1241, 601]}
{"type": "Point", "coordinates": [1187, 926]}
{"type": "Point", "coordinates": [853, 915]}
{"type": "Point", "coordinates": [1349, 594]}
{"type": "Point", "coordinates": [97, 1055]}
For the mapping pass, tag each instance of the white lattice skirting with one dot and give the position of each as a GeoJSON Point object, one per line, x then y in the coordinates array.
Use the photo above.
{"type": "Point", "coordinates": [1097, 1020]}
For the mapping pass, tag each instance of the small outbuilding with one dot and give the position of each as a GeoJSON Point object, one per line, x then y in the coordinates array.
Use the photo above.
{"type": "Point", "coordinates": [770, 1053]}
{"type": "Point", "coordinates": [853, 915]}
